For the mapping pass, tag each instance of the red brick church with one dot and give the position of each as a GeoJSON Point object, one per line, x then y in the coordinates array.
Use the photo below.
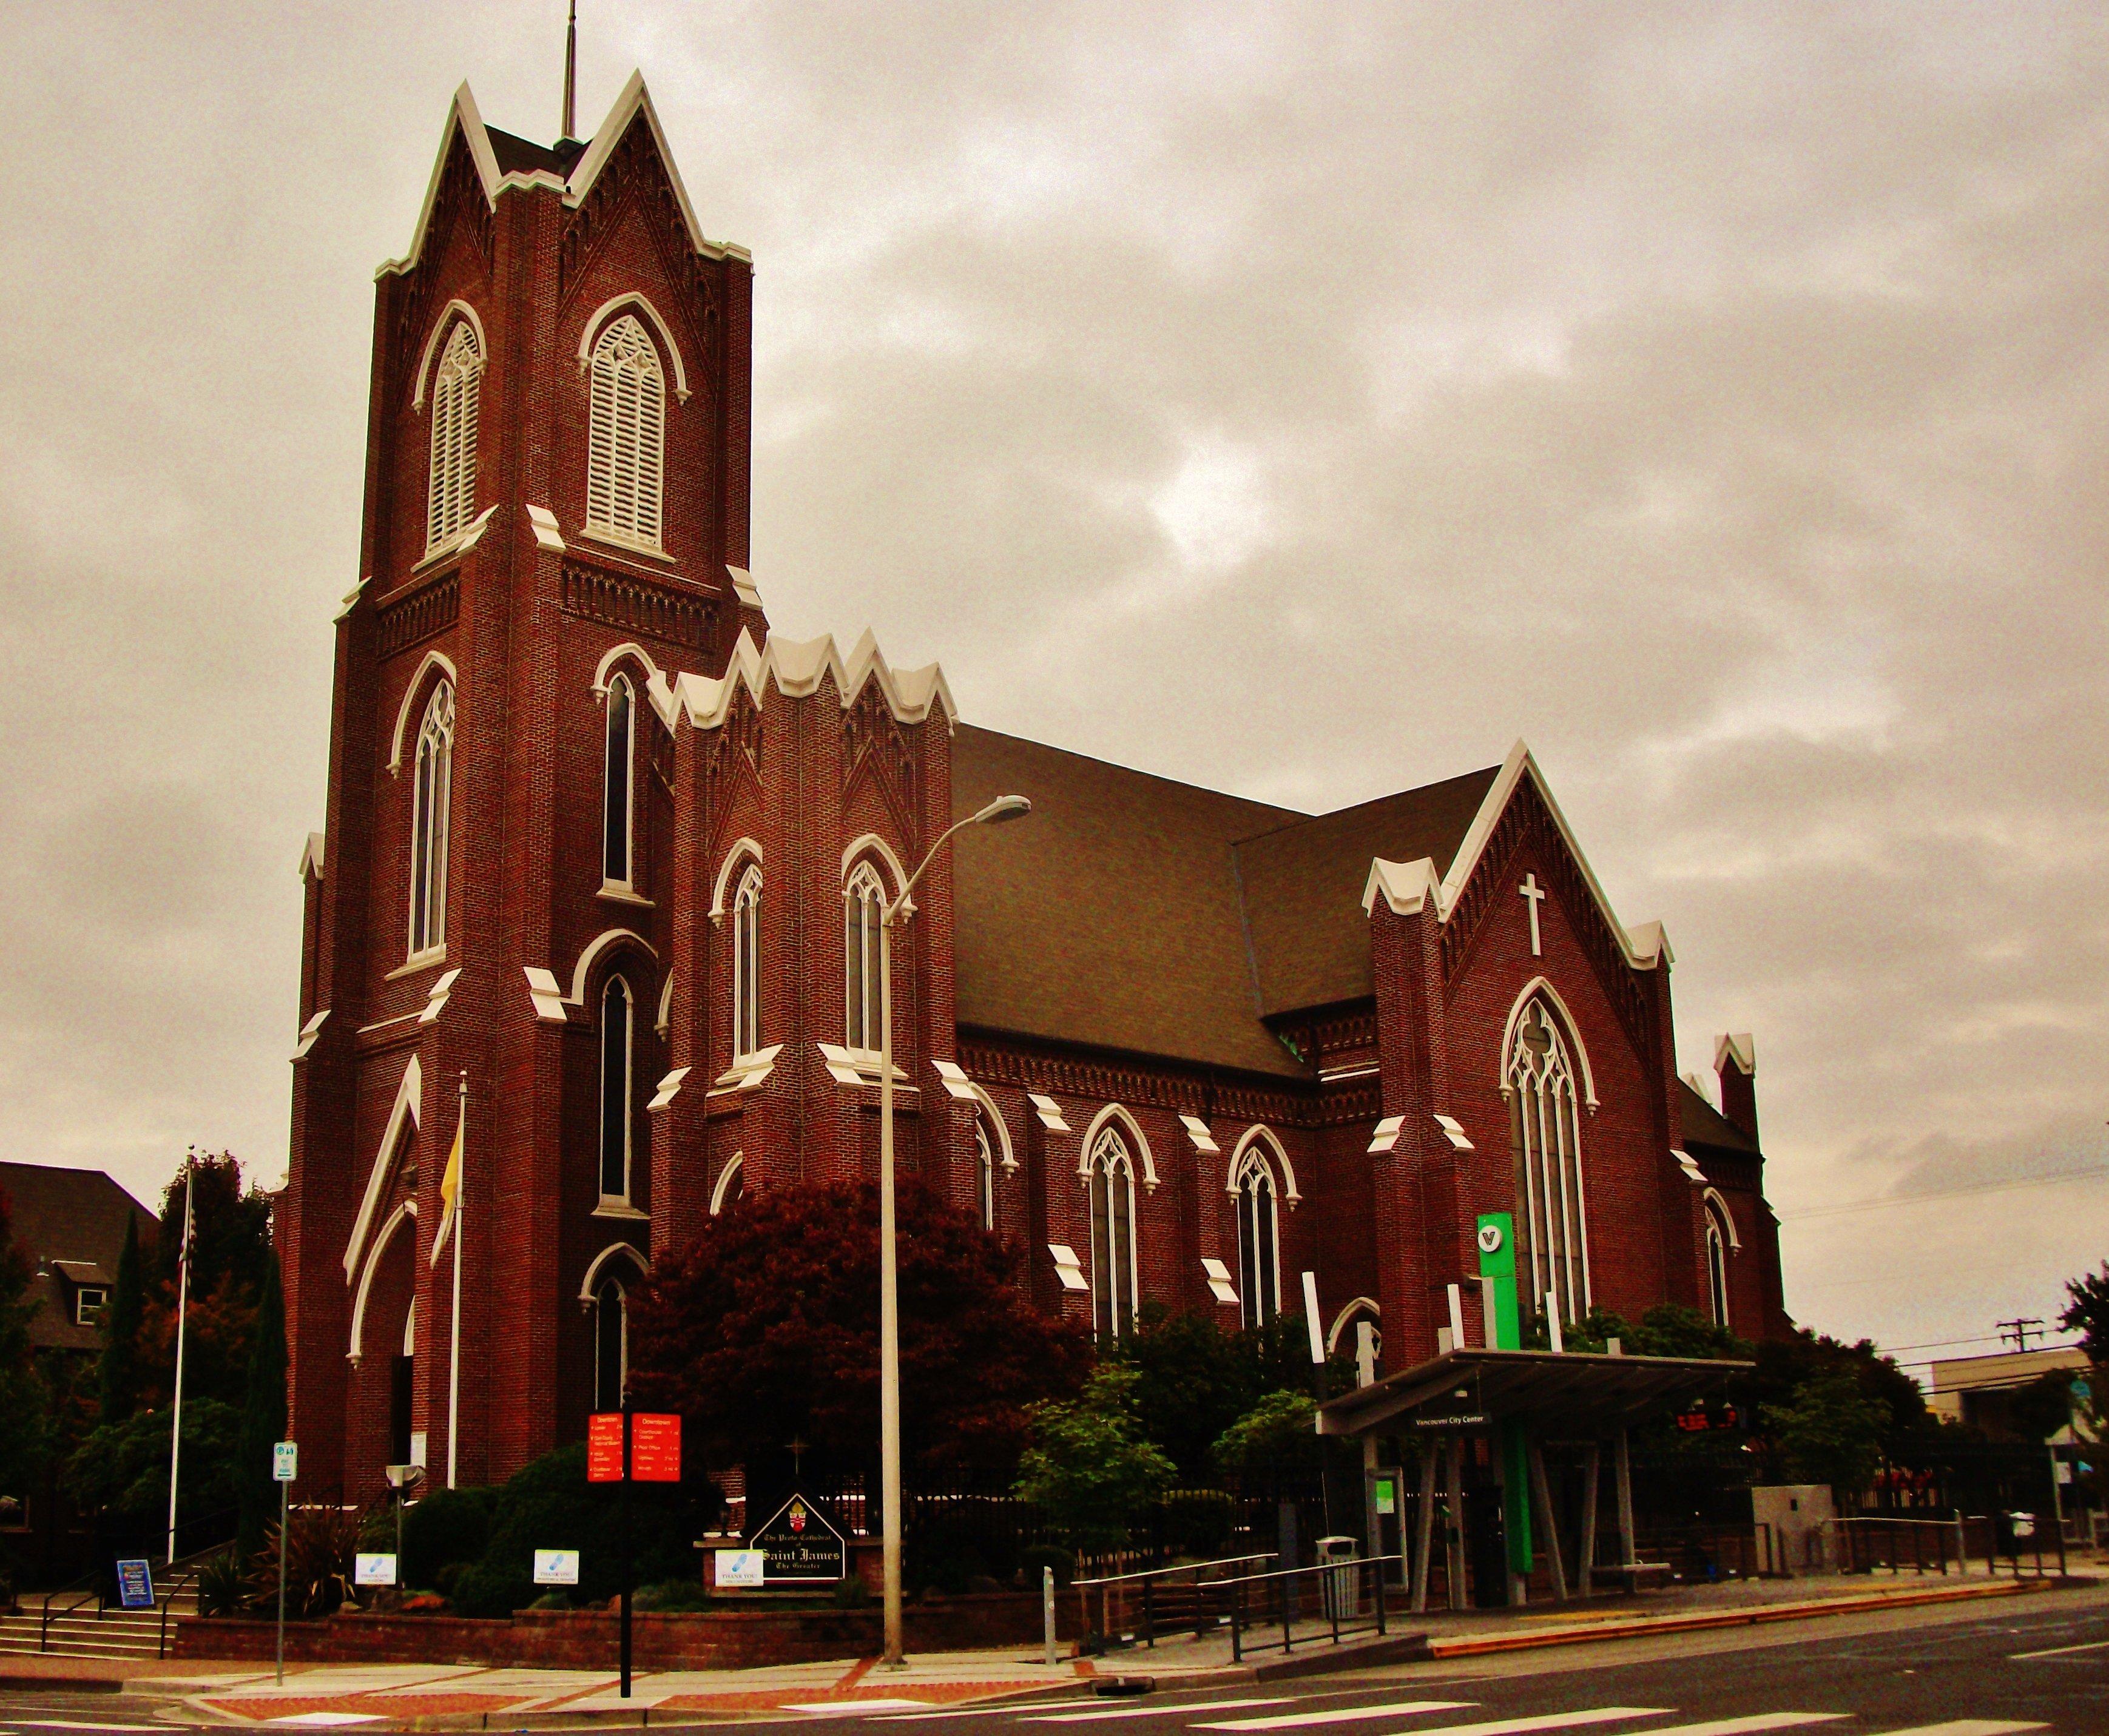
{"type": "Point", "coordinates": [602, 847]}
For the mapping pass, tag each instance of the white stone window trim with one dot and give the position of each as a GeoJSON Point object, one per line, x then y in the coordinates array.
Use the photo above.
{"type": "Point", "coordinates": [402, 1114]}
{"type": "Point", "coordinates": [742, 850]}
{"type": "Point", "coordinates": [406, 1212]}
{"type": "Point", "coordinates": [431, 661]}
{"type": "Point", "coordinates": [1542, 985]}
{"type": "Point", "coordinates": [432, 825]}
{"type": "Point", "coordinates": [631, 302]}
{"type": "Point", "coordinates": [730, 1173]}
{"type": "Point", "coordinates": [592, 951]}
{"type": "Point", "coordinates": [1712, 1200]}
{"type": "Point", "coordinates": [1120, 1113]}
{"type": "Point", "coordinates": [417, 962]}
{"type": "Point", "coordinates": [1260, 1133]}
{"type": "Point", "coordinates": [1717, 1271]}
{"type": "Point", "coordinates": [440, 328]}
{"type": "Point", "coordinates": [984, 1174]}
{"type": "Point", "coordinates": [589, 1288]}
{"type": "Point", "coordinates": [626, 436]}
{"type": "Point", "coordinates": [86, 1313]}
{"type": "Point", "coordinates": [1363, 1307]}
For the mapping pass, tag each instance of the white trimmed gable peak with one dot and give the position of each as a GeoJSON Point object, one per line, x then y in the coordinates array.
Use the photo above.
{"type": "Point", "coordinates": [1409, 887]}
{"type": "Point", "coordinates": [633, 103]}
{"type": "Point", "coordinates": [797, 668]}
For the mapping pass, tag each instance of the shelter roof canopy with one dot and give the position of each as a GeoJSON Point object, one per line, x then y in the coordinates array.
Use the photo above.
{"type": "Point", "coordinates": [1553, 1393]}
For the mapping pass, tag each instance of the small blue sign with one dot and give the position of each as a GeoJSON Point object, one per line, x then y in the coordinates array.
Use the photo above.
{"type": "Point", "coordinates": [135, 1585]}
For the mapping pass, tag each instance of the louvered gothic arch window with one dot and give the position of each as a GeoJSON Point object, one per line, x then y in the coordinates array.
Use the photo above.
{"type": "Point", "coordinates": [618, 1028]}
{"type": "Point", "coordinates": [747, 965]}
{"type": "Point", "coordinates": [428, 823]}
{"type": "Point", "coordinates": [450, 491]}
{"type": "Point", "coordinates": [1545, 1140]}
{"type": "Point", "coordinates": [1112, 1182]}
{"type": "Point", "coordinates": [863, 909]}
{"type": "Point", "coordinates": [1259, 1264]}
{"type": "Point", "coordinates": [625, 452]}
{"type": "Point", "coordinates": [618, 795]}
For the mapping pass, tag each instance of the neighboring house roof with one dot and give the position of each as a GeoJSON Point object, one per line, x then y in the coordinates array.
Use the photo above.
{"type": "Point", "coordinates": [71, 1224]}
{"type": "Point", "coordinates": [1138, 913]}
{"type": "Point", "coordinates": [1703, 1125]}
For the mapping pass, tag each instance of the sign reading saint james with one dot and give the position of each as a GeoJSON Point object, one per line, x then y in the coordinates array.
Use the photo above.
{"type": "Point", "coordinates": [799, 1543]}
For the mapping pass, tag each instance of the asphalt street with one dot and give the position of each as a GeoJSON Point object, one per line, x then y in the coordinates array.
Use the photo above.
{"type": "Point", "coordinates": [2038, 1666]}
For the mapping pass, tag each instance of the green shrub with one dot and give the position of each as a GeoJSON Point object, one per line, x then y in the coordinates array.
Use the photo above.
{"type": "Point", "coordinates": [1196, 1522]}
{"type": "Point", "coordinates": [486, 1589]}
{"type": "Point", "coordinates": [220, 1591]}
{"type": "Point", "coordinates": [671, 1596]}
{"type": "Point", "coordinates": [851, 1594]}
{"type": "Point", "coordinates": [449, 1527]}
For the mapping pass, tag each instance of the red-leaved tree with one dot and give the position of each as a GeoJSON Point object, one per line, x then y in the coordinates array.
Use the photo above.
{"type": "Point", "coordinates": [766, 1330]}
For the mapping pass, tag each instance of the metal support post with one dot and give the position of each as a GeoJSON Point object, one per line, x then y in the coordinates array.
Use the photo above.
{"type": "Point", "coordinates": [1426, 1525]}
{"type": "Point", "coordinates": [1047, 1611]}
{"type": "Point", "coordinates": [1543, 1487]}
{"type": "Point", "coordinates": [1623, 1474]}
{"type": "Point", "coordinates": [285, 1507]}
{"type": "Point", "coordinates": [1592, 1471]}
{"type": "Point", "coordinates": [1453, 1529]}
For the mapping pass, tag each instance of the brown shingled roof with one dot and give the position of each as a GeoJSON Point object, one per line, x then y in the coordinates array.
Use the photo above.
{"type": "Point", "coordinates": [1134, 913]}
{"type": "Point", "coordinates": [1303, 885]}
{"type": "Point", "coordinates": [1702, 1123]}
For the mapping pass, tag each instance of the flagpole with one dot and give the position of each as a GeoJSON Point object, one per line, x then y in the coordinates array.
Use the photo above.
{"type": "Point", "coordinates": [454, 1331]}
{"type": "Point", "coordinates": [183, 1310]}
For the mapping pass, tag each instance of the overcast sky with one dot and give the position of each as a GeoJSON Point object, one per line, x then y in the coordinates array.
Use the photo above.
{"type": "Point", "coordinates": [1304, 400]}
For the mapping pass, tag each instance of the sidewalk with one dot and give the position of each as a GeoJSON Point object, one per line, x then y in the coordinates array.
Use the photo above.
{"type": "Point", "coordinates": [472, 1697]}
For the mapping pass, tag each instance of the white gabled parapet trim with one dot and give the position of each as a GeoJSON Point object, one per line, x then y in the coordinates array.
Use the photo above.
{"type": "Point", "coordinates": [1219, 1281]}
{"type": "Point", "coordinates": [1386, 1136]}
{"type": "Point", "coordinates": [462, 112]}
{"type": "Point", "coordinates": [749, 1071]}
{"type": "Point", "coordinates": [636, 100]}
{"type": "Point", "coordinates": [1738, 1046]}
{"type": "Point", "coordinates": [1454, 1132]}
{"type": "Point", "coordinates": [1068, 1267]}
{"type": "Point", "coordinates": [1050, 1112]}
{"type": "Point", "coordinates": [1406, 887]}
{"type": "Point", "coordinates": [543, 522]}
{"type": "Point", "coordinates": [953, 1077]}
{"type": "Point", "coordinates": [1197, 1130]}
{"type": "Point", "coordinates": [1692, 1173]}
{"type": "Point", "coordinates": [797, 667]}
{"type": "Point", "coordinates": [311, 858]}
{"type": "Point", "coordinates": [744, 587]}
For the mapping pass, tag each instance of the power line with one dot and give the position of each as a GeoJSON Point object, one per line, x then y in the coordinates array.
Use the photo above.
{"type": "Point", "coordinates": [1945, 1193]}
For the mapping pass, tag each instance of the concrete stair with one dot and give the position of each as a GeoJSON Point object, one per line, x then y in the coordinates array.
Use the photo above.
{"type": "Point", "coordinates": [118, 1634]}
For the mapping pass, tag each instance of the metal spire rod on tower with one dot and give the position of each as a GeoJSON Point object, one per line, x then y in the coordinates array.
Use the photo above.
{"type": "Point", "coordinates": [572, 74]}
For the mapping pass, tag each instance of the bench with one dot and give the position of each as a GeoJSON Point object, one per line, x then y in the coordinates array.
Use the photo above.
{"type": "Point", "coordinates": [1639, 1576]}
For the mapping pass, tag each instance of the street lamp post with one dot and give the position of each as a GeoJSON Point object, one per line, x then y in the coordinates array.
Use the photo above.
{"type": "Point", "coordinates": [1002, 808]}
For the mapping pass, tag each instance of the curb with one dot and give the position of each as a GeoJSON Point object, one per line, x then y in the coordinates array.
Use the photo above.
{"type": "Point", "coordinates": [60, 1685]}
{"type": "Point", "coordinates": [1642, 1627]}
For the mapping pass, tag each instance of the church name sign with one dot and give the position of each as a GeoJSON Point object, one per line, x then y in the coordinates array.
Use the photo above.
{"type": "Point", "coordinates": [799, 1546]}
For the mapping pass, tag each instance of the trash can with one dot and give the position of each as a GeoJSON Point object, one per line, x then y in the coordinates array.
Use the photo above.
{"type": "Point", "coordinates": [1337, 1583]}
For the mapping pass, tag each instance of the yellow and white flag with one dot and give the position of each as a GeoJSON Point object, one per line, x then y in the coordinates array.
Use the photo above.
{"type": "Point", "coordinates": [450, 1191]}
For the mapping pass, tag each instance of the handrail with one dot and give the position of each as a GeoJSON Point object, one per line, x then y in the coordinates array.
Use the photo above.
{"type": "Point", "coordinates": [1183, 1567]}
{"type": "Point", "coordinates": [1330, 1594]}
{"type": "Point", "coordinates": [168, 1603]}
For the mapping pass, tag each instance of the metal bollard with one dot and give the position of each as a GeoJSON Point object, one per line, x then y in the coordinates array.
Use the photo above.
{"type": "Point", "coordinates": [1047, 1611]}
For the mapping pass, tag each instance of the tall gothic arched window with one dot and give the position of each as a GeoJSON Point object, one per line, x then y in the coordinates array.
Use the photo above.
{"type": "Point", "coordinates": [610, 1343]}
{"type": "Point", "coordinates": [1259, 1264]}
{"type": "Point", "coordinates": [1112, 1182]}
{"type": "Point", "coordinates": [1717, 1265]}
{"type": "Point", "coordinates": [618, 783]}
{"type": "Point", "coordinates": [451, 489]}
{"type": "Point", "coordinates": [626, 441]}
{"type": "Point", "coordinates": [429, 801]}
{"type": "Point", "coordinates": [863, 909]}
{"type": "Point", "coordinates": [1545, 1140]}
{"type": "Point", "coordinates": [984, 1172]}
{"type": "Point", "coordinates": [618, 1024]}
{"type": "Point", "coordinates": [747, 965]}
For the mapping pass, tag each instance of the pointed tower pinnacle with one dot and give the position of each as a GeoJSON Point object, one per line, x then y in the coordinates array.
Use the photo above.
{"type": "Point", "coordinates": [572, 74]}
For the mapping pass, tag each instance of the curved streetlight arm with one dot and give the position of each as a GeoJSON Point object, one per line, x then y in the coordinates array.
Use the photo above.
{"type": "Point", "coordinates": [1002, 808]}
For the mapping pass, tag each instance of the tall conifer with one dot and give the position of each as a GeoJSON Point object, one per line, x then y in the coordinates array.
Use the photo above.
{"type": "Point", "coordinates": [119, 1371]}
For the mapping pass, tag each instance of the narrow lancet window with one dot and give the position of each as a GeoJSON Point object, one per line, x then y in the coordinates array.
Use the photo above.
{"type": "Point", "coordinates": [864, 909]}
{"type": "Point", "coordinates": [1259, 1268]}
{"type": "Point", "coordinates": [1112, 1182]}
{"type": "Point", "coordinates": [984, 1172]}
{"type": "Point", "coordinates": [1717, 1268]}
{"type": "Point", "coordinates": [618, 1020]}
{"type": "Point", "coordinates": [619, 778]}
{"type": "Point", "coordinates": [747, 965]}
{"type": "Point", "coordinates": [428, 823]}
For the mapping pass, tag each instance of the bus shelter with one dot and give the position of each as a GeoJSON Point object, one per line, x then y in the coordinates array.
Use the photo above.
{"type": "Point", "coordinates": [1518, 1403]}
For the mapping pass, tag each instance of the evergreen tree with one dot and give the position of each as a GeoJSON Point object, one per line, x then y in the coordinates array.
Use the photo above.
{"type": "Point", "coordinates": [263, 1414]}
{"type": "Point", "coordinates": [119, 1370]}
{"type": "Point", "coordinates": [24, 1406]}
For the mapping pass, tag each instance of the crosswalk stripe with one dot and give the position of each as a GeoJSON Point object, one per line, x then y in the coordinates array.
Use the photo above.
{"type": "Point", "coordinates": [1546, 1721]}
{"type": "Point", "coordinates": [1973, 1727]}
{"type": "Point", "coordinates": [1156, 1711]}
{"type": "Point", "coordinates": [1749, 1724]}
{"type": "Point", "coordinates": [2091, 1645]}
{"type": "Point", "coordinates": [1347, 1715]}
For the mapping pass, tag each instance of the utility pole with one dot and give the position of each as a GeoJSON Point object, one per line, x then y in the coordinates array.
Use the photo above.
{"type": "Point", "coordinates": [2016, 1331]}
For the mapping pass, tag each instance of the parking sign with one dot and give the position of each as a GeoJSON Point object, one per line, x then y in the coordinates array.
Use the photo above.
{"type": "Point", "coordinates": [285, 1461]}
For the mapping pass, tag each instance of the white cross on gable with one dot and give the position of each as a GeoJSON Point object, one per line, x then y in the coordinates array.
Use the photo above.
{"type": "Point", "coordinates": [1532, 891]}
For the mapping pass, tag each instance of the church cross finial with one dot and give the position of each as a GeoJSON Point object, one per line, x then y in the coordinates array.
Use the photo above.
{"type": "Point", "coordinates": [572, 74]}
{"type": "Point", "coordinates": [1531, 890]}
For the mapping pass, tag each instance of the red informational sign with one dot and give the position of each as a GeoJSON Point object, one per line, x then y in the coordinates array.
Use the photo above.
{"type": "Point", "coordinates": [604, 1447]}
{"type": "Point", "coordinates": [655, 1448]}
